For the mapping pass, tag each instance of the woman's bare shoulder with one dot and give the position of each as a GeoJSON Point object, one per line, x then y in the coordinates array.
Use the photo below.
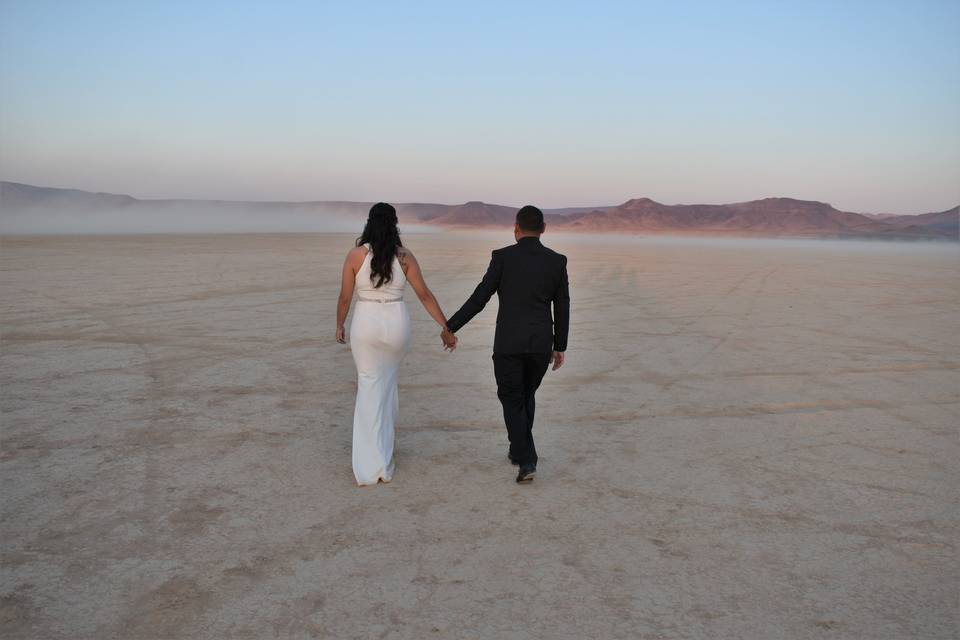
{"type": "Point", "coordinates": [405, 256]}
{"type": "Point", "coordinates": [356, 254]}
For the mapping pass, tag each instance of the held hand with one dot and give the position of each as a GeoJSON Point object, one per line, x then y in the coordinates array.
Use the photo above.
{"type": "Point", "coordinates": [341, 335]}
{"type": "Point", "coordinates": [449, 340]}
{"type": "Point", "coordinates": [557, 359]}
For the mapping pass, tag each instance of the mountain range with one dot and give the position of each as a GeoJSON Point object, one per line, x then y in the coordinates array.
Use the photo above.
{"type": "Point", "coordinates": [26, 208]}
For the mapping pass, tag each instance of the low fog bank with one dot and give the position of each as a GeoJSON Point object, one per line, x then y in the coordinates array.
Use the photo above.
{"type": "Point", "coordinates": [182, 220]}
{"type": "Point", "coordinates": [561, 240]}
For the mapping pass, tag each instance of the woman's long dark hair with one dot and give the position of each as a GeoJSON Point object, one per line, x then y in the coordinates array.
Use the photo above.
{"type": "Point", "coordinates": [384, 238]}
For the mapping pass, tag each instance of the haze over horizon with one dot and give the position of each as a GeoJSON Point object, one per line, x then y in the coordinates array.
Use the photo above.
{"type": "Point", "coordinates": [572, 106]}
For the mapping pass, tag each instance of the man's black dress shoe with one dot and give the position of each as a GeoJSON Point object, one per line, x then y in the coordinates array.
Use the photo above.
{"type": "Point", "coordinates": [512, 461]}
{"type": "Point", "coordinates": [527, 472]}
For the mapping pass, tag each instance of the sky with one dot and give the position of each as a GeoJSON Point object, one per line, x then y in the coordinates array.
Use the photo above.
{"type": "Point", "coordinates": [551, 103]}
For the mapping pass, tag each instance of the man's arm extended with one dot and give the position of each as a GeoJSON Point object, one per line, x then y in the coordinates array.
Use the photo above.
{"type": "Point", "coordinates": [481, 295]}
{"type": "Point", "coordinates": [561, 312]}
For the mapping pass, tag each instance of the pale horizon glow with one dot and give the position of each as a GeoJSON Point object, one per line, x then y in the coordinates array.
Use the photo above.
{"type": "Point", "coordinates": [558, 104]}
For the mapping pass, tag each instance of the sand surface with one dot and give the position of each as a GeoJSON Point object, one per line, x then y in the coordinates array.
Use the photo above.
{"type": "Point", "coordinates": [749, 440]}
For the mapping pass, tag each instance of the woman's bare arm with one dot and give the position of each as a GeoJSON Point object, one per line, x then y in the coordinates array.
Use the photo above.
{"type": "Point", "coordinates": [411, 268]}
{"type": "Point", "coordinates": [351, 265]}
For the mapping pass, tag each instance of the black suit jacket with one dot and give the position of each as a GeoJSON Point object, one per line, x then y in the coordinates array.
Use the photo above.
{"type": "Point", "coordinates": [527, 277]}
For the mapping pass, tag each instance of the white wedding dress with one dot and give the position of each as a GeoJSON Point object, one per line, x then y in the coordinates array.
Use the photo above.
{"type": "Point", "coordinates": [379, 338]}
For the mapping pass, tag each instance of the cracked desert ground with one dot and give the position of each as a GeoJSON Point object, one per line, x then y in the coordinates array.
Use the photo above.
{"type": "Point", "coordinates": [750, 439]}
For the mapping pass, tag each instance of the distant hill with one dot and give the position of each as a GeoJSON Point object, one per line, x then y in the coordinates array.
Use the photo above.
{"type": "Point", "coordinates": [946, 222]}
{"type": "Point", "coordinates": [26, 209]}
{"type": "Point", "coordinates": [477, 214]}
{"type": "Point", "coordinates": [767, 217]}
{"type": "Point", "coordinates": [15, 196]}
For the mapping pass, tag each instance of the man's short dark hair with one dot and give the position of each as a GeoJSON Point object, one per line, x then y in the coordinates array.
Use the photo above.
{"type": "Point", "coordinates": [530, 219]}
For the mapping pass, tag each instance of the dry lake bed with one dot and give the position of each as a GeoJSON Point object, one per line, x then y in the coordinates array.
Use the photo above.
{"type": "Point", "coordinates": [750, 439]}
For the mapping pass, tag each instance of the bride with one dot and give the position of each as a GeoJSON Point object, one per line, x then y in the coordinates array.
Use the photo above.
{"type": "Point", "coordinates": [378, 268]}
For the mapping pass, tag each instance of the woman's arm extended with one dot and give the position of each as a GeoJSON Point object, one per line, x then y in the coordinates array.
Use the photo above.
{"type": "Point", "coordinates": [350, 267]}
{"type": "Point", "coordinates": [411, 269]}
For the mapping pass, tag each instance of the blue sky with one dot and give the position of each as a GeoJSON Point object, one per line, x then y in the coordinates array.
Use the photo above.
{"type": "Point", "coordinates": [555, 103]}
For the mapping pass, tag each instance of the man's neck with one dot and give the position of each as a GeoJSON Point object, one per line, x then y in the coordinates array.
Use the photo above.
{"type": "Point", "coordinates": [529, 235]}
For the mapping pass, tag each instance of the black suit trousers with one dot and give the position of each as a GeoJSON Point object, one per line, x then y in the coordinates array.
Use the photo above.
{"type": "Point", "coordinates": [518, 377]}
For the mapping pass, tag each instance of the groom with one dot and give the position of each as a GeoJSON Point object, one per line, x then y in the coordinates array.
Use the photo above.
{"type": "Point", "coordinates": [528, 277]}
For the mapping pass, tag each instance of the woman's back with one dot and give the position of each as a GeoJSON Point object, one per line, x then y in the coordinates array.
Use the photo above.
{"type": "Point", "coordinates": [388, 290]}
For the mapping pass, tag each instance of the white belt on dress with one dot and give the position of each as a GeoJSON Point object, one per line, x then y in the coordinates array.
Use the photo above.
{"type": "Point", "coordinates": [381, 300]}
